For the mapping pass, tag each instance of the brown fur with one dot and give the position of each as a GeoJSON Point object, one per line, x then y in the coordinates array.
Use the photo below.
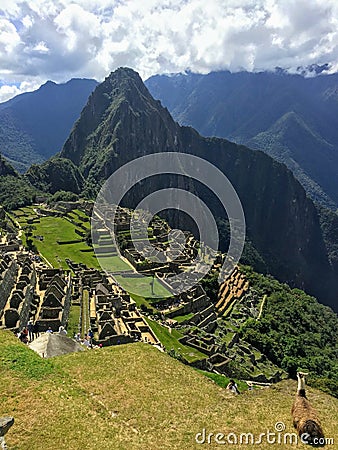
{"type": "Point", "coordinates": [305, 417]}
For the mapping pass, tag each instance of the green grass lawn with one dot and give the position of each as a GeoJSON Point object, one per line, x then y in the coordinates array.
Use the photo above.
{"type": "Point", "coordinates": [135, 397]}
{"type": "Point", "coordinates": [139, 300]}
{"type": "Point", "coordinates": [55, 229]}
{"type": "Point", "coordinates": [171, 341]}
{"type": "Point", "coordinates": [60, 229]}
{"type": "Point", "coordinates": [113, 263]}
{"type": "Point", "coordinates": [183, 318]}
{"type": "Point", "coordinates": [141, 287]}
{"type": "Point", "coordinates": [85, 321]}
{"type": "Point", "coordinates": [73, 320]}
{"type": "Point", "coordinates": [222, 380]}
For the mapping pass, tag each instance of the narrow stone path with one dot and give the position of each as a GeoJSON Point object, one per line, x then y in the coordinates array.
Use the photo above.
{"type": "Point", "coordinates": [261, 307]}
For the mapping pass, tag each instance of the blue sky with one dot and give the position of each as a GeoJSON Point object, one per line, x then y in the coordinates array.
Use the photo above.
{"type": "Point", "coordinates": [59, 39]}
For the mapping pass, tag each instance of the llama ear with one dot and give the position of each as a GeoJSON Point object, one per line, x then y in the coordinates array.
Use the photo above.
{"type": "Point", "coordinates": [302, 374]}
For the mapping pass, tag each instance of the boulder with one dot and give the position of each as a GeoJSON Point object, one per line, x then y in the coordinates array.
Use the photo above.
{"type": "Point", "coordinates": [5, 424]}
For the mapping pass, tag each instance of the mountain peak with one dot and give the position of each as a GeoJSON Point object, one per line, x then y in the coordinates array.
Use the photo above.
{"type": "Point", "coordinates": [124, 80]}
{"type": "Point", "coordinates": [124, 72]}
{"type": "Point", "coordinates": [48, 84]}
{"type": "Point", "coordinates": [120, 103]}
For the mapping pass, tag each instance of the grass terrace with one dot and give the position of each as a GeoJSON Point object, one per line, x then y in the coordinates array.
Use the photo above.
{"type": "Point", "coordinates": [82, 214]}
{"type": "Point", "coordinates": [222, 380]}
{"type": "Point", "coordinates": [113, 263]}
{"type": "Point", "coordinates": [139, 300]}
{"type": "Point", "coordinates": [56, 231]}
{"type": "Point", "coordinates": [73, 320]}
{"type": "Point", "coordinates": [171, 341]}
{"type": "Point", "coordinates": [142, 286]}
{"type": "Point", "coordinates": [180, 319]}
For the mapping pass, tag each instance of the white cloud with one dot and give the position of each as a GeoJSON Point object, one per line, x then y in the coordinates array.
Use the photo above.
{"type": "Point", "coordinates": [8, 91]}
{"type": "Point", "coordinates": [41, 47]}
{"type": "Point", "coordinates": [44, 39]}
{"type": "Point", "coordinates": [9, 38]}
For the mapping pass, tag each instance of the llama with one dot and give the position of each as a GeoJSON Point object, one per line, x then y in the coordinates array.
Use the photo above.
{"type": "Point", "coordinates": [305, 417]}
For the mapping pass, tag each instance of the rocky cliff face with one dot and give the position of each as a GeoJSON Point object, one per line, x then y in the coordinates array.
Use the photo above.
{"type": "Point", "coordinates": [122, 121]}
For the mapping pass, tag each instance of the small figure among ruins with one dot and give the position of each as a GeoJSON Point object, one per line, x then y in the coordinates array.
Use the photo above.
{"type": "Point", "coordinates": [86, 341]}
{"type": "Point", "coordinates": [23, 336]}
{"type": "Point", "coordinates": [77, 337]}
{"type": "Point", "coordinates": [62, 330]}
{"type": "Point", "coordinates": [232, 387]}
{"type": "Point", "coordinates": [30, 327]}
{"type": "Point", "coordinates": [90, 335]}
{"type": "Point", "coordinates": [36, 330]}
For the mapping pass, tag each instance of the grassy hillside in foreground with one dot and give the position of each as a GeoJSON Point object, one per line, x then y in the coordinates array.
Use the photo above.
{"type": "Point", "coordinates": [132, 397]}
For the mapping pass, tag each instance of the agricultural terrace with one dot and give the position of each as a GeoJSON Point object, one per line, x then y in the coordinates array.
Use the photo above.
{"type": "Point", "coordinates": [56, 240]}
{"type": "Point", "coordinates": [170, 339]}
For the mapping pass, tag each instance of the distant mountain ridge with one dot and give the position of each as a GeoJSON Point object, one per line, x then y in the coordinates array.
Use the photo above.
{"type": "Point", "coordinates": [35, 125]}
{"type": "Point", "coordinates": [292, 118]}
{"type": "Point", "coordinates": [122, 121]}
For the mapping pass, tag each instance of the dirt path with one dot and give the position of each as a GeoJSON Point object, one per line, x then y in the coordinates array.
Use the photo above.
{"type": "Point", "coordinates": [261, 307]}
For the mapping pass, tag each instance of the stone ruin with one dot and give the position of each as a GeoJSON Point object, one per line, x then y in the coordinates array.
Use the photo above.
{"type": "Point", "coordinates": [113, 315]}
{"type": "Point", "coordinates": [18, 287]}
{"type": "Point", "coordinates": [41, 295]}
{"type": "Point", "coordinates": [56, 299]}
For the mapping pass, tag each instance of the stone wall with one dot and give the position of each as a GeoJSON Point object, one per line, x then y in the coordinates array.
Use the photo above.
{"type": "Point", "coordinates": [7, 282]}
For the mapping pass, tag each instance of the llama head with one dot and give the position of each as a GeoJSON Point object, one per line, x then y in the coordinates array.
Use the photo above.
{"type": "Point", "coordinates": [302, 375]}
{"type": "Point", "coordinates": [301, 383]}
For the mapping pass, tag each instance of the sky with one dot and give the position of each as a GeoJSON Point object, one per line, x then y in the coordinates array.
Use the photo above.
{"type": "Point", "coordinates": [58, 40]}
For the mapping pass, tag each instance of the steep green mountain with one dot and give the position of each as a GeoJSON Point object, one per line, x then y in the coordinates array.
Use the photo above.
{"type": "Point", "coordinates": [292, 118]}
{"type": "Point", "coordinates": [294, 331]}
{"type": "Point", "coordinates": [56, 174]}
{"type": "Point", "coordinates": [35, 125]}
{"type": "Point", "coordinates": [329, 224]}
{"type": "Point", "coordinates": [122, 121]}
{"type": "Point", "coordinates": [15, 190]}
{"type": "Point", "coordinates": [5, 168]}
